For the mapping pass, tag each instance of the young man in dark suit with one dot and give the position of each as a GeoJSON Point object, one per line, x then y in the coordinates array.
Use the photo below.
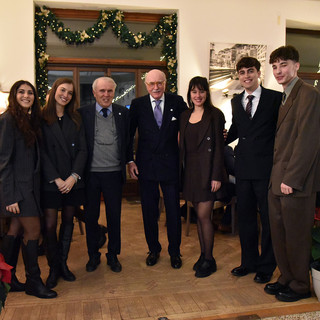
{"type": "Point", "coordinates": [254, 120]}
{"type": "Point", "coordinates": [107, 132]}
{"type": "Point", "coordinates": [156, 116]}
{"type": "Point", "coordinates": [294, 179]}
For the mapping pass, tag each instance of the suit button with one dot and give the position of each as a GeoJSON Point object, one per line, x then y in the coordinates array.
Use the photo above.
{"type": "Point", "coordinates": [208, 138]}
{"type": "Point", "coordinates": [209, 150]}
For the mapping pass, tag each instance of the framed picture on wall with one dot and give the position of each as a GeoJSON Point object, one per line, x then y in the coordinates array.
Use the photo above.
{"type": "Point", "coordinates": [223, 79]}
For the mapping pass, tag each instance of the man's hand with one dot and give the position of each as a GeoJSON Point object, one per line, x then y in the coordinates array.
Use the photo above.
{"type": "Point", "coordinates": [225, 134]}
{"type": "Point", "coordinates": [285, 189]}
{"type": "Point", "coordinates": [133, 170]}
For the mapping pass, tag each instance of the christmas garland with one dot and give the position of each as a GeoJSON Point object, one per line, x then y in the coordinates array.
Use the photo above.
{"type": "Point", "coordinates": [166, 29]}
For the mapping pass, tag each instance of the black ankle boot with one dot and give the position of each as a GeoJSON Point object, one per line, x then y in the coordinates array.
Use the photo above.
{"type": "Point", "coordinates": [51, 244]}
{"type": "Point", "coordinates": [10, 250]}
{"type": "Point", "coordinates": [199, 262]}
{"type": "Point", "coordinates": [65, 237]}
{"type": "Point", "coordinates": [34, 284]}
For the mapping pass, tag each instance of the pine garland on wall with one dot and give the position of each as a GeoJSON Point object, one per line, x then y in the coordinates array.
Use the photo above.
{"type": "Point", "coordinates": [166, 29]}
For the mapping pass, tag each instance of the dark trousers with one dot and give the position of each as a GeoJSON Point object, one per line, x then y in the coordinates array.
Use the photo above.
{"type": "Point", "coordinates": [149, 191]}
{"type": "Point", "coordinates": [110, 184]}
{"type": "Point", "coordinates": [252, 196]}
{"type": "Point", "coordinates": [291, 221]}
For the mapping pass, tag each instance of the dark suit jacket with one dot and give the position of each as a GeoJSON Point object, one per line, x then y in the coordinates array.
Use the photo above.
{"type": "Point", "coordinates": [62, 152]}
{"type": "Point", "coordinates": [157, 155]}
{"type": "Point", "coordinates": [121, 117]}
{"type": "Point", "coordinates": [210, 145]}
{"type": "Point", "coordinates": [254, 151]}
{"type": "Point", "coordinates": [19, 169]}
{"type": "Point", "coordinates": [297, 146]}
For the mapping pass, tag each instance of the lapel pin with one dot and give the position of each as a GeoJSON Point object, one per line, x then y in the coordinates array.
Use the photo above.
{"type": "Point", "coordinates": [119, 113]}
{"type": "Point", "coordinates": [171, 109]}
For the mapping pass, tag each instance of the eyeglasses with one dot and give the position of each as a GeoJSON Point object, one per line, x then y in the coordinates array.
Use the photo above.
{"type": "Point", "coordinates": [158, 83]}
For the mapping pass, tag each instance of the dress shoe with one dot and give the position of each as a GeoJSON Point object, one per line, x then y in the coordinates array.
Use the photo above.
{"type": "Point", "coordinates": [262, 277]}
{"type": "Point", "coordinates": [288, 295]}
{"type": "Point", "coordinates": [240, 271]}
{"type": "Point", "coordinates": [206, 268]}
{"type": "Point", "coordinates": [176, 262]}
{"type": "Point", "coordinates": [93, 264]}
{"type": "Point", "coordinates": [113, 262]}
{"type": "Point", "coordinates": [152, 258]}
{"type": "Point", "coordinates": [274, 288]}
{"type": "Point", "coordinates": [199, 262]}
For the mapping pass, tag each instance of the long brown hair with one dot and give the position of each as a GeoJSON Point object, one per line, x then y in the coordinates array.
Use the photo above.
{"type": "Point", "coordinates": [28, 124]}
{"type": "Point", "coordinates": [49, 112]}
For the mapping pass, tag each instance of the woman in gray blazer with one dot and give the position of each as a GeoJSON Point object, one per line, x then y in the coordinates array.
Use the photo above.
{"type": "Point", "coordinates": [201, 154]}
{"type": "Point", "coordinates": [20, 185]}
{"type": "Point", "coordinates": [63, 155]}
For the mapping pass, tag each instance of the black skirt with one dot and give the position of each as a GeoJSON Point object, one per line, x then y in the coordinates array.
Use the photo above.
{"type": "Point", "coordinates": [56, 200]}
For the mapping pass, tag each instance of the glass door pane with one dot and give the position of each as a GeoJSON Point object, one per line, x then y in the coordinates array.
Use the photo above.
{"type": "Point", "coordinates": [53, 75]}
{"type": "Point", "coordinates": [86, 79]}
{"type": "Point", "coordinates": [126, 87]}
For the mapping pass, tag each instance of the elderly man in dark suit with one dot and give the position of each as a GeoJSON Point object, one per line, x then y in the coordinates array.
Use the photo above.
{"type": "Point", "coordinates": [254, 120]}
{"type": "Point", "coordinates": [156, 116]}
{"type": "Point", "coordinates": [107, 132]}
{"type": "Point", "coordinates": [294, 178]}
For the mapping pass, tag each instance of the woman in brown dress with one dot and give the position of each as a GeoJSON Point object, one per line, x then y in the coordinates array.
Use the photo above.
{"type": "Point", "coordinates": [201, 154]}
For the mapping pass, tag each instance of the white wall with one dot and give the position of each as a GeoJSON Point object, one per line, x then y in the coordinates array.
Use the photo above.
{"type": "Point", "coordinates": [200, 22]}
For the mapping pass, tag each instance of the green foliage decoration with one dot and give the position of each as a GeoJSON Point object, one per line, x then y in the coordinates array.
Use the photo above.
{"type": "Point", "coordinates": [166, 29]}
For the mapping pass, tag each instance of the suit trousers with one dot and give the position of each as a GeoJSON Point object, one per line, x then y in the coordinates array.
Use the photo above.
{"type": "Point", "coordinates": [291, 221]}
{"type": "Point", "coordinates": [252, 197]}
{"type": "Point", "coordinates": [110, 184]}
{"type": "Point", "coordinates": [150, 195]}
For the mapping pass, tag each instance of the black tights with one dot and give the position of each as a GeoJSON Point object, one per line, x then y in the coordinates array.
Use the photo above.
{"type": "Point", "coordinates": [205, 227]}
{"type": "Point", "coordinates": [28, 226]}
{"type": "Point", "coordinates": [51, 219]}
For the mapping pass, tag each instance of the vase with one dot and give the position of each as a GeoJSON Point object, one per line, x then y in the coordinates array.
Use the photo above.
{"type": "Point", "coordinates": [316, 278]}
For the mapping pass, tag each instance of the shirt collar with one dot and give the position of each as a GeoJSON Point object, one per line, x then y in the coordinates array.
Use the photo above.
{"type": "Point", "coordinates": [153, 99]}
{"type": "Point", "coordinates": [98, 107]}
{"type": "Point", "coordinates": [256, 93]}
{"type": "Point", "coordinates": [290, 86]}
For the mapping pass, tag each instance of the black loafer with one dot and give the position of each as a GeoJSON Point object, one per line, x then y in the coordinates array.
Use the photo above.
{"type": "Point", "coordinates": [152, 258]}
{"type": "Point", "coordinates": [240, 271]}
{"type": "Point", "coordinates": [113, 262]}
{"type": "Point", "coordinates": [93, 264]}
{"type": "Point", "coordinates": [288, 295]}
{"type": "Point", "coordinates": [176, 262]}
{"type": "Point", "coordinates": [274, 288]}
{"type": "Point", "coordinates": [262, 277]}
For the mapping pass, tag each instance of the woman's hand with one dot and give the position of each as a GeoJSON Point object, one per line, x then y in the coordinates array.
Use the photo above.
{"type": "Point", "coordinates": [215, 185]}
{"type": "Point", "coordinates": [68, 185]}
{"type": "Point", "coordinates": [14, 208]}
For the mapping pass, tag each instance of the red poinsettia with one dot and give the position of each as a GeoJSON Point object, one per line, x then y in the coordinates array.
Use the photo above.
{"type": "Point", "coordinates": [5, 270]}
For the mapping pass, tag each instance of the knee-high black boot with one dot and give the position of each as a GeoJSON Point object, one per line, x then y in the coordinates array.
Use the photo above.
{"type": "Point", "coordinates": [34, 284]}
{"type": "Point", "coordinates": [51, 244]}
{"type": "Point", "coordinates": [65, 237]}
{"type": "Point", "coordinates": [10, 250]}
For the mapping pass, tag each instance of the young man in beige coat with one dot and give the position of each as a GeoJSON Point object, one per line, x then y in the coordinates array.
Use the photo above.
{"type": "Point", "coordinates": [294, 178]}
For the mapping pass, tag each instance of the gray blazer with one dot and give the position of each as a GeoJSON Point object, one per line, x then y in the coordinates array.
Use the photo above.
{"type": "Point", "coordinates": [19, 170]}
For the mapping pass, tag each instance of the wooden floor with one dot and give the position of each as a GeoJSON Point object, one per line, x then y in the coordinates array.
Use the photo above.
{"type": "Point", "coordinates": [141, 292]}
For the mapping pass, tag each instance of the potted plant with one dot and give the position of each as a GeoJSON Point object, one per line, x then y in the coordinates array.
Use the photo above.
{"type": "Point", "coordinates": [315, 252]}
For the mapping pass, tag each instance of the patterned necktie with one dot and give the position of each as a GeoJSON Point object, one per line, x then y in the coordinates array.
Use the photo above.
{"type": "Point", "coordinates": [158, 113]}
{"type": "Point", "coordinates": [249, 106]}
{"type": "Point", "coordinates": [104, 112]}
{"type": "Point", "coordinates": [283, 97]}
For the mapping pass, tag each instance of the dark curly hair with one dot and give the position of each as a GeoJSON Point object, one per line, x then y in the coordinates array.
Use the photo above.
{"type": "Point", "coordinates": [49, 112]}
{"type": "Point", "coordinates": [27, 123]}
